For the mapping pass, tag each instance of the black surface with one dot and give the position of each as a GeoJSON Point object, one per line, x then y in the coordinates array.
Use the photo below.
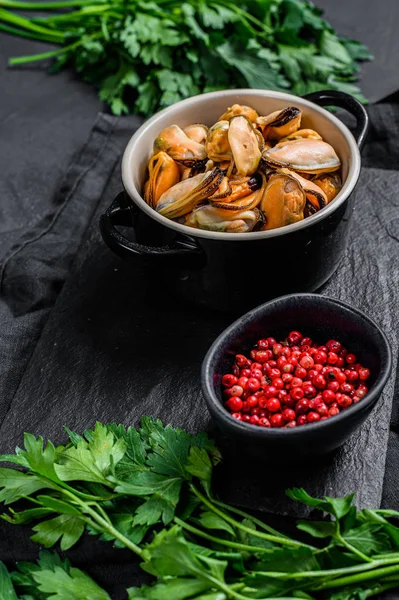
{"type": "Point", "coordinates": [83, 365]}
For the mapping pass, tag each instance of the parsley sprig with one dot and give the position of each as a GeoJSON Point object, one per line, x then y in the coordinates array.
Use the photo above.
{"type": "Point", "coordinates": [145, 55]}
{"type": "Point", "coordinates": [150, 490]}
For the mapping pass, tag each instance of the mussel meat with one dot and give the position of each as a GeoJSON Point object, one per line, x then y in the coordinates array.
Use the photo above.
{"type": "Point", "coordinates": [196, 132]}
{"type": "Point", "coordinates": [330, 183]}
{"type": "Point", "coordinates": [283, 201]}
{"type": "Point", "coordinates": [280, 123]}
{"type": "Point", "coordinates": [306, 155]}
{"type": "Point", "coordinates": [244, 145]}
{"type": "Point", "coordinates": [212, 218]}
{"type": "Point", "coordinates": [179, 146]}
{"type": "Point", "coordinates": [183, 197]}
{"type": "Point", "coordinates": [241, 194]}
{"type": "Point", "coordinates": [217, 145]}
{"type": "Point", "coordinates": [309, 134]}
{"type": "Point", "coordinates": [163, 174]}
{"type": "Point", "coordinates": [237, 110]}
{"type": "Point", "coordinates": [315, 196]}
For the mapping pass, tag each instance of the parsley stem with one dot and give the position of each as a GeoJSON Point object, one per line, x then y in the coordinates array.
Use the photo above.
{"type": "Point", "coordinates": [8, 17]}
{"type": "Point", "coordinates": [43, 5]}
{"type": "Point", "coordinates": [265, 536]}
{"type": "Point", "coordinates": [217, 540]}
{"type": "Point", "coordinates": [359, 578]}
{"type": "Point", "coordinates": [105, 525]}
{"type": "Point", "coordinates": [78, 15]}
{"type": "Point", "coordinates": [242, 513]}
{"type": "Point", "coordinates": [28, 34]}
{"type": "Point", "coordinates": [19, 60]}
{"type": "Point", "coordinates": [354, 570]}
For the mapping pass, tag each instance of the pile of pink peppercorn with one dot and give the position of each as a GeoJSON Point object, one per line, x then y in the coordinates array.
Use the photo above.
{"type": "Point", "coordinates": [293, 383]}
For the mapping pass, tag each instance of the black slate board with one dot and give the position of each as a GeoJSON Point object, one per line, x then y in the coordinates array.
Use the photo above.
{"type": "Point", "coordinates": [140, 348]}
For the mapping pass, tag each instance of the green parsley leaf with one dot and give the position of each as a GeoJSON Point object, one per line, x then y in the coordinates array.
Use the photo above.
{"type": "Point", "coordinates": [318, 529]}
{"type": "Point", "coordinates": [188, 12]}
{"type": "Point", "coordinates": [209, 520]}
{"type": "Point", "coordinates": [66, 528]}
{"type": "Point", "coordinates": [64, 586]}
{"type": "Point", "coordinates": [356, 50]}
{"type": "Point", "coordinates": [255, 71]}
{"type": "Point", "coordinates": [369, 538]}
{"type": "Point", "coordinates": [178, 589]}
{"type": "Point", "coordinates": [338, 507]}
{"type": "Point", "coordinates": [288, 560]}
{"type": "Point", "coordinates": [93, 460]}
{"type": "Point", "coordinates": [199, 465]}
{"type": "Point", "coordinates": [332, 47]}
{"type": "Point", "coordinates": [15, 485]}
{"type": "Point", "coordinates": [25, 516]}
{"type": "Point", "coordinates": [7, 591]}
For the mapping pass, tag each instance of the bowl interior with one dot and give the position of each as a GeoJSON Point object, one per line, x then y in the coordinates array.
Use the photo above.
{"type": "Point", "coordinates": [314, 316]}
{"type": "Point", "coordinates": [207, 108]}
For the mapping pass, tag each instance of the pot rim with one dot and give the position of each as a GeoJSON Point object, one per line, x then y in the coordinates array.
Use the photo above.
{"type": "Point", "coordinates": [135, 195]}
{"type": "Point", "coordinates": [219, 413]}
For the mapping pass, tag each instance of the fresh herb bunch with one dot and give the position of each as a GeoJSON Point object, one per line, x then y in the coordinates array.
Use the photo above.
{"type": "Point", "coordinates": [51, 577]}
{"type": "Point", "coordinates": [145, 55]}
{"type": "Point", "coordinates": [150, 490]}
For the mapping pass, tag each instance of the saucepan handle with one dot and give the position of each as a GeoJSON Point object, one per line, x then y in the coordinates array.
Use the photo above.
{"type": "Point", "coordinates": [349, 103]}
{"type": "Point", "coordinates": [182, 253]}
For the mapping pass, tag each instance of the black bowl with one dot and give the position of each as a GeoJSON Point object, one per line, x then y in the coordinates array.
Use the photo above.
{"type": "Point", "coordinates": [321, 318]}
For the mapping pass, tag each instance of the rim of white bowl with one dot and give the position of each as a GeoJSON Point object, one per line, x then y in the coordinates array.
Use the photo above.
{"type": "Point", "coordinates": [351, 179]}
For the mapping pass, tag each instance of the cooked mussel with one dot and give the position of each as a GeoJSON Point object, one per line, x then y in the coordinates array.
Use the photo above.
{"type": "Point", "coordinates": [212, 218]}
{"type": "Point", "coordinates": [196, 132]}
{"type": "Point", "coordinates": [280, 123]}
{"type": "Point", "coordinates": [244, 144]}
{"type": "Point", "coordinates": [283, 201]}
{"type": "Point", "coordinates": [237, 110]}
{"type": "Point", "coordinates": [315, 196]}
{"type": "Point", "coordinates": [183, 197]}
{"type": "Point", "coordinates": [240, 194]}
{"type": "Point", "coordinates": [309, 134]}
{"type": "Point", "coordinates": [306, 155]}
{"type": "Point", "coordinates": [330, 183]}
{"type": "Point", "coordinates": [217, 145]}
{"type": "Point", "coordinates": [163, 174]}
{"type": "Point", "coordinates": [179, 146]}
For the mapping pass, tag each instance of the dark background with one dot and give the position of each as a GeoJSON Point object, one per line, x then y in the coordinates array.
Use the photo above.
{"type": "Point", "coordinates": [49, 175]}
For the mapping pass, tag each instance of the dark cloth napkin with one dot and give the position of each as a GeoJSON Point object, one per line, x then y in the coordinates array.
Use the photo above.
{"type": "Point", "coordinates": [87, 337]}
